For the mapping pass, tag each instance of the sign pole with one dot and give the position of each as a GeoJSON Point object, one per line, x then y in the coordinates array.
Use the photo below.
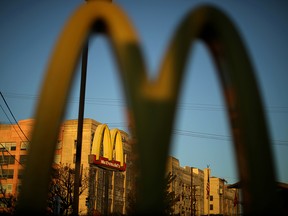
{"type": "Point", "coordinates": [75, 204]}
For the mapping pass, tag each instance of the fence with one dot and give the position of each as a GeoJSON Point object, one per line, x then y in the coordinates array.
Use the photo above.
{"type": "Point", "coordinates": [152, 104]}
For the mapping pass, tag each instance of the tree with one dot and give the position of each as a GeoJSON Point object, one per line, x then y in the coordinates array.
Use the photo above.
{"type": "Point", "coordinates": [170, 198]}
{"type": "Point", "coordinates": [7, 202]}
{"type": "Point", "coordinates": [61, 188]}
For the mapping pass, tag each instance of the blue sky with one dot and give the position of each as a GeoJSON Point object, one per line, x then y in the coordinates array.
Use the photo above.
{"type": "Point", "coordinates": [201, 137]}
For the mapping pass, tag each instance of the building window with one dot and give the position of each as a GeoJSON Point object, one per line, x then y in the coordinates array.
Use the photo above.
{"type": "Point", "coordinates": [8, 146]}
{"type": "Point", "coordinates": [24, 145]}
{"type": "Point", "coordinates": [211, 198]}
{"type": "Point", "coordinates": [7, 173]}
{"type": "Point", "coordinates": [7, 188]}
{"type": "Point", "coordinates": [7, 159]}
{"type": "Point", "coordinates": [59, 144]}
{"type": "Point", "coordinates": [211, 206]}
{"type": "Point", "coordinates": [2, 147]}
{"type": "Point", "coordinates": [19, 187]}
{"type": "Point", "coordinates": [13, 147]}
{"type": "Point", "coordinates": [23, 159]}
{"type": "Point", "coordinates": [57, 159]}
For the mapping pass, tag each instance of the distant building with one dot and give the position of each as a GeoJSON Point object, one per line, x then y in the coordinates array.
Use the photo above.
{"type": "Point", "coordinates": [192, 187]}
{"type": "Point", "coordinates": [190, 184]}
{"type": "Point", "coordinates": [14, 146]}
{"type": "Point", "coordinates": [13, 149]}
{"type": "Point", "coordinates": [119, 180]}
{"type": "Point", "coordinates": [282, 190]}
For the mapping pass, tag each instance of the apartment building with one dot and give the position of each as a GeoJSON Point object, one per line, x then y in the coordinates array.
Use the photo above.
{"type": "Point", "coordinates": [200, 193]}
{"type": "Point", "coordinates": [14, 146]}
{"type": "Point", "coordinates": [14, 143]}
{"type": "Point", "coordinates": [108, 190]}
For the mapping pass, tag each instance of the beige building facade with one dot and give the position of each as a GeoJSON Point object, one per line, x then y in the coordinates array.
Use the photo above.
{"type": "Point", "coordinates": [220, 200]}
{"type": "Point", "coordinates": [118, 183]}
{"type": "Point", "coordinates": [192, 186]}
{"type": "Point", "coordinates": [14, 146]}
{"type": "Point", "coordinates": [14, 143]}
{"type": "Point", "coordinates": [188, 186]}
{"type": "Point", "coordinates": [108, 190]}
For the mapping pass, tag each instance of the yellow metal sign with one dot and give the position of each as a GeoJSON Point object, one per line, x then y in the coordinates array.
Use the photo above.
{"type": "Point", "coordinates": [112, 156]}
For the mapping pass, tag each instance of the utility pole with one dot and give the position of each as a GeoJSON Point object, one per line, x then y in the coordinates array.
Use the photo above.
{"type": "Point", "coordinates": [191, 192]}
{"type": "Point", "coordinates": [80, 128]}
{"type": "Point", "coordinates": [80, 131]}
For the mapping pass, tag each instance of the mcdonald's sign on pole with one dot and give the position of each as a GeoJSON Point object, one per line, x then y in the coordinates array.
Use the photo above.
{"type": "Point", "coordinates": [112, 157]}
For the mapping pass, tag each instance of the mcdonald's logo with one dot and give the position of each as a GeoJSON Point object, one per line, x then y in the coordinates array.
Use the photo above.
{"type": "Point", "coordinates": [152, 104]}
{"type": "Point", "coordinates": [112, 157]}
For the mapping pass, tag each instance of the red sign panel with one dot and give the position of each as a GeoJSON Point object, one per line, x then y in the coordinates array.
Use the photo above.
{"type": "Point", "coordinates": [106, 164]}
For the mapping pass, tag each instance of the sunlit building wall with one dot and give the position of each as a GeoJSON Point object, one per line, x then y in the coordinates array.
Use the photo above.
{"type": "Point", "coordinates": [118, 185]}
{"type": "Point", "coordinates": [231, 204]}
{"type": "Point", "coordinates": [198, 191]}
{"type": "Point", "coordinates": [221, 199]}
{"type": "Point", "coordinates": [216, 196]}
{"type": "Point", "coordinates": [14, 143]}
{"type": "Point", "coordinates": [188, 186]}
{"type": "Point", "coordinates": [14, 146]}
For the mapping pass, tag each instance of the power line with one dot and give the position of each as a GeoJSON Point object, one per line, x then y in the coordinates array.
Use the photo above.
{"type": "Point", "coordinates": [201, 135]}
{"type": "Point", "coordinates": [217, 136]}
{"type": "Point", "coordinates": [94, 101]}
{"type": "Point", "coordinates": [200, 107]}
{"type": "Point", "coordinates": [13, 116]}
{"type": "Point", "coordinates": [11, 154]}
{"type": "Point", "coordinates": [120, 102]}
{"type": "Point", "coordinates": [10, 122]}
{"type": "Point", "coordinates": [17, 134]}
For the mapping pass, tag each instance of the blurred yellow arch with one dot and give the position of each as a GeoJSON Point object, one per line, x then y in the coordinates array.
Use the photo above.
{"type": "Point", "coordinates": [153, 103]}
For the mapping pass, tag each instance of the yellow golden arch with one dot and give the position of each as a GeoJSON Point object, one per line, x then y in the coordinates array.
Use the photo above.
{"type": "Point", "coordinates": [111, 141]}
{"type": "Point", "coordinates": [153, 103]}
{"type": "Point", "coordinates": [117, 147]}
